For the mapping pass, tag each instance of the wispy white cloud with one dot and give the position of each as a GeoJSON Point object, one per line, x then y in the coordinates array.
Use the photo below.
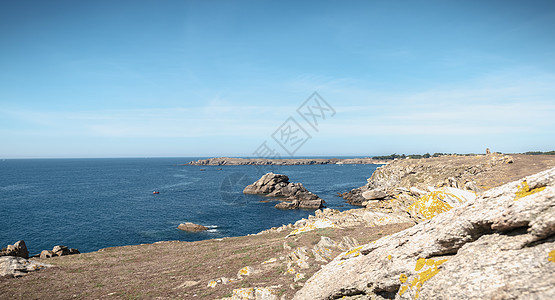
{"type": "Point", "coordinates": [520, 103]}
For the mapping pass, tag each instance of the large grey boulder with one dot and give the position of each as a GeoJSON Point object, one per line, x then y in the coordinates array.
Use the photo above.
{"type": "Point", "coordinates": [18, 249]}
{"type": "Point", "coordinates": [278, 185]}
{"type": "Point", "coordinates": [13, 266]}
{"type": "Point", "coordinates": [499, 246]}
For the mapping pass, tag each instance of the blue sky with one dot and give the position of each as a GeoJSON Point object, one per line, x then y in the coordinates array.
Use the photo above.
{"type": "Point", "coordinates": [211, 78]}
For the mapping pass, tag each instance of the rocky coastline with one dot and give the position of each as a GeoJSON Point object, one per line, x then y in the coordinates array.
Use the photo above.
{"type": "Point", "coordinates": [448, 228]}
{"type": "Point", "coordinates": [230, 161]}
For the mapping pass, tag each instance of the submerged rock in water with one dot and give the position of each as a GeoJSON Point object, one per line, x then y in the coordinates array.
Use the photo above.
{"type": "Point", "coordinates": [191, 227]}
{"type": "Point", "coordinates": [278, 185]}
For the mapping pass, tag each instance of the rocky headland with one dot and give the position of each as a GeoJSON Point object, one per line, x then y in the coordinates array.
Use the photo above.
{"type": "Point", "coordinates": [230, 161]}
{"type": "Point", "coordinates": [433, 235]}
{"type": "Point", "coordinates": [294, 195]}
{"type": "Point", "coordinates": [474, 173]}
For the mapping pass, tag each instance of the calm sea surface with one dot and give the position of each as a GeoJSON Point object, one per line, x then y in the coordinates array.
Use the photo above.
{"type": "Point", "coordinates": [90, 204]}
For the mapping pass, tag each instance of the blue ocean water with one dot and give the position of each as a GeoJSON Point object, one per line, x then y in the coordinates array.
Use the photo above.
{"type": "Point", "coordinates": [91, 204]}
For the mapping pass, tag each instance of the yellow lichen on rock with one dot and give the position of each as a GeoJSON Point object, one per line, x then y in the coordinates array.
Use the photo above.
{"type": "Point", "coordinates": [431, 204]}
{"type": "Point", "coordinates": [352, 253]}
{"type": "Point", "coordinates": [551, 256]}
{"type": "Point", "coordinates": [244, 293]}
{"type": "Point", "coordinates": [309, 227]}
{"type": "Point", "coordinates": [212, 284]}
{"type": "Point", "coordinates": [299, 276]}
{"type": "Point", "coordinates": [423, 276]}
{"type": "Point", "coordinates": [524, 190]}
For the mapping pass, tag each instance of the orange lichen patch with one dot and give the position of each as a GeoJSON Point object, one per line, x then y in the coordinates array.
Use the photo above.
{"type": "Point", "coordinates": [416, 283]}
{"type": "Point", "coordinates": [551, 256]}
{"type": "Point", "coordinates": [432, 204]}
{"type": "Point", "coordinates": [524, 190]}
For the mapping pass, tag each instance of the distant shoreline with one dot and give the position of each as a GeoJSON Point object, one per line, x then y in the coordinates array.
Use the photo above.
{"type": "Point", "coordinates": [231, 161]}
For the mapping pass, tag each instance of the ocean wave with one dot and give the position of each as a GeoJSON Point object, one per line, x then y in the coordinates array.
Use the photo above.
{"type": "Point", "coordinates": [15, 187]}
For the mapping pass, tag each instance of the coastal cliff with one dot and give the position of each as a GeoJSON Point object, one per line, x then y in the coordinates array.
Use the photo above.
{"type": "Point", "coordinates": [474, 173]}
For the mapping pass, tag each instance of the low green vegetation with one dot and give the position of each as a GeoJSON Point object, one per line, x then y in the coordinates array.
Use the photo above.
{"type": "Point", "coordinates": [438, 154]}
{"type": "Point", "coordinates": [540, 153]}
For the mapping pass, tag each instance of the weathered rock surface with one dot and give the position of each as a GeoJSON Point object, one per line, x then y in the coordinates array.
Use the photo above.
{"type": "Point", "coordinates": [499, 246]}
{"type": "Point", "coordinates": [278, 185]}
{"type": "Point", "coordinates": [191, 227]}
{"type": "Point", "coordinates": [18, 249]}
{"type": "Point", "coordinates": [450, 171]}
{"type": "Point", "coordinates": [58, 250]}
{"type": "Point", "coordinates": [13, 266]}
{"type": "Point", "coordinates": [230, 161]}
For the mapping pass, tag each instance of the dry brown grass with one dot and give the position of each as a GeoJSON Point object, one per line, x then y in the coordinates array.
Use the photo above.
{"type": "Point", "coordinates": [161, 270]}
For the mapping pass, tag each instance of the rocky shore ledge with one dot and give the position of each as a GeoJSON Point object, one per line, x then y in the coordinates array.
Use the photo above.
{"type": "Point", "coordinates": [230, 161]}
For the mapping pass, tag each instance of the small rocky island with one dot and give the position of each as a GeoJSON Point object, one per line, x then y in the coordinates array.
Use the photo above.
{"type": "Point", "coordinates": [191, 227]}
{"type": "Point", "coordinates": [295, 195]}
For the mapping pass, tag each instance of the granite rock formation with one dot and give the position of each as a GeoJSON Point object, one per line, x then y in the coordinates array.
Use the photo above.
{"type": "Point", "coordinates": [278, 185]}
{"type": "Point", "coordinates": [13, 266]}
{"type": "Point", "coordinates": [500, 245]}
{"type": "Point", "coordinates": [18, 249]}
{"type": "Point", "coordinates": [58, 250]}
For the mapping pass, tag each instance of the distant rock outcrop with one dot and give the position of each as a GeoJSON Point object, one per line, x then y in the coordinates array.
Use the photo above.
{"type": "Point", "coordinates": [191, 227]}
{"type": "Point", "coordinates": [18, 249]}
{"type": "Point", "coordinates": [278, 185]}
{"type": "Point", "coordinates": [500, 245]}
{"type": "Point", "coordinates": [231, 161]}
